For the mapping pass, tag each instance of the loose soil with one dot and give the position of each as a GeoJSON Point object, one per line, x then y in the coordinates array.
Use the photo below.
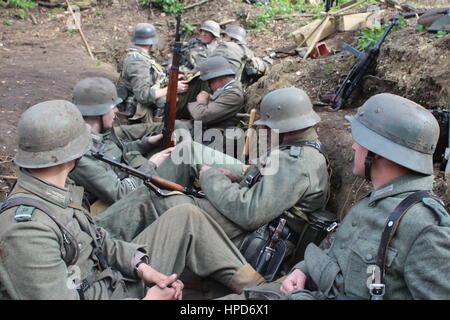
{"type": "Point", "coordinates": [44, 61]}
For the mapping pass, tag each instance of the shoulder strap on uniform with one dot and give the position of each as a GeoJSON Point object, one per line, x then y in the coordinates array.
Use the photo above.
{"type": "Point", "coordinates": [319, 147]}
{"type": "Point", "coordinates": [70, 244]}
{"type": "Point", "coordinates": [377, 289]}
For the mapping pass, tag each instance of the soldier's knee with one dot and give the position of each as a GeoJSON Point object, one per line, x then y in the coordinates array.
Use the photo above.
{"type": "Point", "coordinates": [186, 211]}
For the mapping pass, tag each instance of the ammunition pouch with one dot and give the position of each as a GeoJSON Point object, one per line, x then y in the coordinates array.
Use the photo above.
{"type": "Point", "coordinates": [130, 106]}
{"type": "Point", "coordinates": [308, 228]}
{"type": "Point", "coordinates": [253, 249]}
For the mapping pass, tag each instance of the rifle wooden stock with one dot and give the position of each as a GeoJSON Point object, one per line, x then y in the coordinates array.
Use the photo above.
{"type": "Point", "coordinates": [157, 181]}
{"type": "Point", "coordinates": [246, 150]}
{"type": "Point", "coordinates": [171, 99]}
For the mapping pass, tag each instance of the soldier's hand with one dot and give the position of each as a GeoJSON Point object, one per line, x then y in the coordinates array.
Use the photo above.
{"type": "Point", "coordinates": [173, 282]}
{"type": "Point", "coordinates": [294, 281]}
{"type": "Point", "coordinates": [156, 293]}
{"type": "Point", "coordinates": [156, 139]}
{"type": "Point", "coordinates": [203, 170]}
{"type": "Point", "coordinates": [203, 96]}
{"type": "Point", "coordinates": [159, 157]}
{"type": "Point", "coordinates": [182, 86]}
{"type": "Point", "coordinates": [230, 175]}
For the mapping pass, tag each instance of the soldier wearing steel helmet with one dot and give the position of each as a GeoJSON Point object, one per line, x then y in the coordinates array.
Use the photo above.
{"type": "Point", "coordinates": [198, 49]}
{"type": "Point", "coordinates": [247, 65]}
{"type": "Point", "coordinates": [193, 53]}
{"type": "Point", "coordinates": [142, 78]}
{"type": "Point", "coordinates": [297, 188]}
{"type": "Point", "coordinates": [394, 140]}
{"type": "Point", "coordinates": [52, 249]}
{"type": "Point", "coordinates": [136, 145]}
{"type": "Point", "coordinates": [218, 109]}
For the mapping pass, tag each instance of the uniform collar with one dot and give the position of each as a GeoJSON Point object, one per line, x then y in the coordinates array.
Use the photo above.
{"type": "Point", "coordinates": [58, 196]}
{"type": "Point", "coordinates": [309, 134]}
{"type": "Point", "coordinates": [407, 183]}
{"type": "Point", "coordinates": [140, 51]}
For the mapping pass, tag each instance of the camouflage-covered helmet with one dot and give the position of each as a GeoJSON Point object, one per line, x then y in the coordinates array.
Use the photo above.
{"type": "Point", "coordinates": [95, 96]}
{"type": "Point", "coordinates": [397, 129]}
{"type": "Point", "coordinates": [144, 34]}
{"type": "Point", "coordinates": [211, 26]}
{"type": "Point", "coordinates": [51, 133]}
{"type": "Point", "coordinates": [287, 109]}
{"type": "Point", "coordinates": [215, 67]}
{"type": "Point", "coordinates": [236, 32]}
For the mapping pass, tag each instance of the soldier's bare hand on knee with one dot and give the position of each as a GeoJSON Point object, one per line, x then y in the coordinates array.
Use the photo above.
{"type": "Point", "coordinates": [294, 281]}
{"type": "Point", "coordinates": [203, 170]}
{"type": "Point", "coordinates": [230, 175]}
{"type": "Point", "coordinates": [156, 139]}
{"type": "Point", "coordinates": [159, 157]}
{"type": "Point", "coordinates": [156, 293]}
{"type": "Point", "coordinates": [203, 96]}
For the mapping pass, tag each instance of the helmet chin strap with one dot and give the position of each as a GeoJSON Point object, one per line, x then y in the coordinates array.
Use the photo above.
{"type": "Point", "coordinates": [368, 165]}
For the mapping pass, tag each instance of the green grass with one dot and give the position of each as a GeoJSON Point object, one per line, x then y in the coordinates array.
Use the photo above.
{"type": "Point", "coordinates": [369, 36]}
{"type": "Point", "coordinates": [168, 6]}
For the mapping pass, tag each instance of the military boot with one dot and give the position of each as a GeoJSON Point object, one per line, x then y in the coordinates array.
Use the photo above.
{"type": "Point", "coordinates": [245, 277]}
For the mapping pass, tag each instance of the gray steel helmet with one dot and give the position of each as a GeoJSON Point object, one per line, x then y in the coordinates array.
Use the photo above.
{"type": "Point", "coordinates": [211, 26]}
{"type": "Point", "coordinates": [236, 32]}
{"type": "Point", "coordinates": [144, 34]}
{"type": "Point", "coordinates": [51, 133]}
{"type": "Point", "coordinates": [397, 129]}
{"type": "Point", "coordinates": [215, 67]}
{"type": "Point", "coordinates": [287, 109]}
{"type": "Point", "coordinates": [95, 96]}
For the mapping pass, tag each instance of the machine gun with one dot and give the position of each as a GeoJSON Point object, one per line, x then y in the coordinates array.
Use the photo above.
{"type": "Point", "coordinates": [152, 182]}
{"type": "Point", "coordinates": [170, 110]}
{"type": "Point", "coordinates": [364, 63]}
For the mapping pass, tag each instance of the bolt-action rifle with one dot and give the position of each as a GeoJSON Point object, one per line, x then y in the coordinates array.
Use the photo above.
{"type": "Point", "coordinates": [170, 110]}
{"type": "Point", "coordinates": [152, 182]}
{"type": "Point", "coordinates": [364, 63]}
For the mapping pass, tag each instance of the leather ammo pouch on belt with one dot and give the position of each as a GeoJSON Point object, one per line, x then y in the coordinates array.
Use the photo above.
{"type": "Point", "coordinates": [255, 249]}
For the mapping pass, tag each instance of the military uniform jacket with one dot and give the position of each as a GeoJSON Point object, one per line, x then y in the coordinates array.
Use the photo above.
{"type": "Point", "coordinates": [31, 264]}
{"type": "Point", "coordinates": [142, 75]}
{"type": "Point", "coordinates": [240, 57]}
{"type": "Point", "coordinates": [107, 183]}
{"type": "Point", "coordinates": [221, 109]}
{"type": "Point", "coordinates": [193, 53]}
{"type": "Point", "coordinates": [417, 260]}
{"type": "Point", "coordinates": [301, 180]}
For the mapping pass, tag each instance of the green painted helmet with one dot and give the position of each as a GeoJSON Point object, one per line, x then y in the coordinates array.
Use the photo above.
{"type": "Point", "coordinates": [144, 34]}
{"type": "Point", "coordinates": [215, 67]}
{"type": "Point", "coordinates": [95, 96]}
{"type": "Point", "coordinates": [211, 26]}
{"type": "Point", "coordinates": [51, 133]}
{"type": "Point", "coordinates": [236, 32]}
{"type": "Point", "coordinates": [287, 109]}
{"type": "Point", "coordinates": [397, 129]}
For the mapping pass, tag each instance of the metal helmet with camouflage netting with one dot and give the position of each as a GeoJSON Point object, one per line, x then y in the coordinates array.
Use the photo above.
{"type": "Point", "coordinates": [287, 110]}
{"type": "Point", "coordinates": [95, 96]}
{"type": "Point", "coordinates": [236, 32]}
{"type": "Point", "coordinates": [215, 67]}
{"type": "Point", "coordinates": [51, 133]}
{"type": "Point", "coordinates": [144, 34]}
{"type": "Point", "coordinates": [211, 26]}
{"type": "Point", "coordinates": [397, 129]}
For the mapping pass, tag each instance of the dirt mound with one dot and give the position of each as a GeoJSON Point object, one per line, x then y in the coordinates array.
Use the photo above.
{"type": "Point", "coordinates": [44, 61]}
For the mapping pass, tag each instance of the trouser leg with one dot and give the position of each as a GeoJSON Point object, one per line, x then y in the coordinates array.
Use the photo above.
{"type": "Point", "coordinates": [186, 237]}
{"type": "Point", "coordinates": [126, 218]}
{"type": "Point", "coordinates": [187, 158]}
